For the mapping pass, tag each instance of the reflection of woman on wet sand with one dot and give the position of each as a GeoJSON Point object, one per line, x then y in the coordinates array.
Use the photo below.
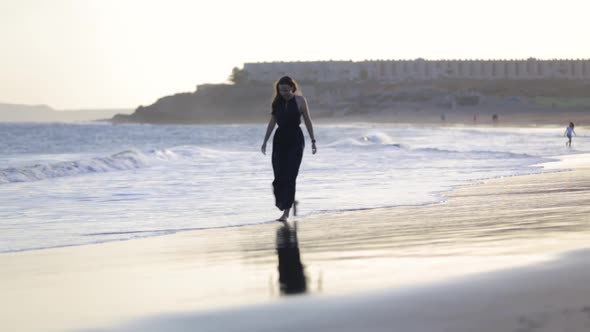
{"type": "Point", "coordinates": [288, 142]}
{"type": "Point", "coordinates": [292, 278]}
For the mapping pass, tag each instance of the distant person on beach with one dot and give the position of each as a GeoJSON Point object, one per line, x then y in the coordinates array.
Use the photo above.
{"type": "Point", "coordinates": [569, 130]}
{"type": "Point", "coordinates": [288, 143]}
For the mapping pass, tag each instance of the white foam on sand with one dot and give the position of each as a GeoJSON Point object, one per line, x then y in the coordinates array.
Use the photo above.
{"type": "Point", "coordinates": [568, 162]}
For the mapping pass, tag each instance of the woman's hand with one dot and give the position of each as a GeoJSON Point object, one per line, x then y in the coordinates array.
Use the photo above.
{"type": "Point", "coordinates": [314, 149]}
{"type": "Point", "coordinates": [263, 148]}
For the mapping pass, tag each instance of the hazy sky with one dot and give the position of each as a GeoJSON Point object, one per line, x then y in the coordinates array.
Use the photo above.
{"type": "Point", "coordinates": [124, 53]}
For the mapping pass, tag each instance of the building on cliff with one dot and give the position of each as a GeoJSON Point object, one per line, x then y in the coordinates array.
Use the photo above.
{"type": "Point", "coordinates": [420, 70]}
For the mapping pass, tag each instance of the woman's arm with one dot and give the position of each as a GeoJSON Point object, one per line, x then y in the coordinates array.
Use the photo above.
{"type": "Point", "coordinates": [271, 126]}
{"type": "Point", "coordinates": [308, 124]}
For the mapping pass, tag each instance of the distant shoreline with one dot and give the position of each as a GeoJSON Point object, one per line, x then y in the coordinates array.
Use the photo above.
{"type": "Point", "coordinates": [425, 117]}
{"type": "Point", "coordinates": [10, 113]}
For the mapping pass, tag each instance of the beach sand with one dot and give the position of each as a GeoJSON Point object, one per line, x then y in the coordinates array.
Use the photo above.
{"type": "Point", "coordinates": [503, 255]}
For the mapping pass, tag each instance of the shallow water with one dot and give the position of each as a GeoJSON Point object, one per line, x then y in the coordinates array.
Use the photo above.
{"type": "Point", "coordinates": [75, 184]}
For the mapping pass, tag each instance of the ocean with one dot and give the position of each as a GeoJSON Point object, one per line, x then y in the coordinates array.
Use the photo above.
{"type": "Point", "coordinates": [78, 184]}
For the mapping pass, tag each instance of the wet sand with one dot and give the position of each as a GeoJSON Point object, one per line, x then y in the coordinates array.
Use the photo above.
{"type": "Point", "coordinates": [491, 258]}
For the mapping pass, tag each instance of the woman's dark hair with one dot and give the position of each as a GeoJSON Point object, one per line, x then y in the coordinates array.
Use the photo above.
{"type": "Point", "coordinates": [572, 124]}
{"type": "Point", "coordinates": [285, 80]}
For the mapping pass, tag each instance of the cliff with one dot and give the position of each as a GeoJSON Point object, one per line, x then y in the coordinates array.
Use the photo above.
{"type": "Point", "coordinates": [250, 102]}
{"type": "Point", "coordinates": [221, 103]}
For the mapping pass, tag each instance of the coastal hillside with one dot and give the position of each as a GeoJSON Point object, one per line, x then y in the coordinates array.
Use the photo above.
{"type": "Point", "coordinates": [415, 101]}
{"type": "Point", "coordinates": [44, 113]}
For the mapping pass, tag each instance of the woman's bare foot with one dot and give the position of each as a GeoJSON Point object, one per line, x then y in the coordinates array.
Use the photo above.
{"type": "Point", "coordinates": [285, 215]}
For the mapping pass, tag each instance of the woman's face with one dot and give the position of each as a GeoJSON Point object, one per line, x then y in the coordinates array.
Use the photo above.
{"type": "Point", "coordinates": [286, 91]}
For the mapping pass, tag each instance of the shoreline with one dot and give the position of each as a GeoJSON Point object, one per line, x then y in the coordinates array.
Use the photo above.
{"type": "Point", "coordinates": [351, 253]}
{"type": "Point", "coordinates": [439, 197]}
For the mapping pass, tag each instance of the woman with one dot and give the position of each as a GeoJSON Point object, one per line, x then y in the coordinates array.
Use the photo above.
{"type": "Point", "coordinates": [287, 145]}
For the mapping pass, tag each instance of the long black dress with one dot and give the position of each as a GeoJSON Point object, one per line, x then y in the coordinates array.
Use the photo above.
{"type": "Point", "coordinates": [287, 151]}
